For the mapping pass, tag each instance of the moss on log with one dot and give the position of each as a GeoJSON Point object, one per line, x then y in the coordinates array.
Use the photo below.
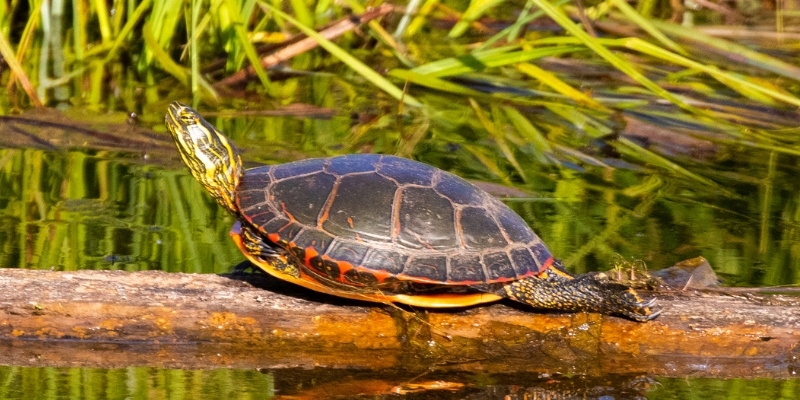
{"type": "Point", "coordinates": [115, 318]}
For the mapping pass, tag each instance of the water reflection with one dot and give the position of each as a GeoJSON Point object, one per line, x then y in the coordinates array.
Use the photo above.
{"type": "Point", "coordinates": [133, 383]}
{"type": "Point", "coordinates": [75, 210]}
{"type": "Point", "coordinates": [150, 383]}
{"type": "Point", "coordinates": [100, 209]}
{"type": "Point", "coordinates": [113, 209]}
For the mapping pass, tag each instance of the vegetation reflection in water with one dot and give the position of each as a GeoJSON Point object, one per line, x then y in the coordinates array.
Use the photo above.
{"type": "Point", "coordinates": [133, 383]}
{"type": "Point", "coordinates": [104, 210]}
{"type": "Point", "coordinates": [745, 389]}
{"type": "Point", "coordinates": [157, 383]}
{"type": "Point", "coordinates": [73, 210]}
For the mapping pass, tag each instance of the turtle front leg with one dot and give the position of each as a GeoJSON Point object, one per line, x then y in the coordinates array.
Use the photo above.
{"type": "Point", "coordinates": [265, 254]}
{"type": "Point", "coordinates": [557, 290]}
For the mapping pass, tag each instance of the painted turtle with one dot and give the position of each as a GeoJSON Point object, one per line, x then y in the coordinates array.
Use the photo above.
{"type": "Point", "coordinates": [387, 229]}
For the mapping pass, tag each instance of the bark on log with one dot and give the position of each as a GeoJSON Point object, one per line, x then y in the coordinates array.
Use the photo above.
{"type": "Point", "coordinates": [115, 319]}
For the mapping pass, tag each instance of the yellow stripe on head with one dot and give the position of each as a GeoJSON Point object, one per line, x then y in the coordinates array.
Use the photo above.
{"type": "Point", "coordinates": [211, 157]}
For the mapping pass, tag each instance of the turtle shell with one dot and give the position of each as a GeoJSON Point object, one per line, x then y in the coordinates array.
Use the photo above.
{"type": "Point", "coordinates": [363, 220]}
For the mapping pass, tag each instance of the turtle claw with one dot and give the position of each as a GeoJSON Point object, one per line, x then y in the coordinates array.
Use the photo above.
{"type": "Point", "coordinates": [642, 317]}
{"type": "Point", "coordinates": [644, 311]}
{"type": "Point", "coordinates": [654, 314]}
{"type": "Point", "coordinates": [646, 304]}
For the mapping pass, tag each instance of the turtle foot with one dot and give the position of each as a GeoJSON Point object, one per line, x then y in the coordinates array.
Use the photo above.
{"type": "Point", "coordinates": [589, 293]}
{"type": "Point", "coordinates": [643, 311]}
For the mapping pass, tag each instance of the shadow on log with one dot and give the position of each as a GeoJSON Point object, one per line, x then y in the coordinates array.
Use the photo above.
{"type": "Point", "coordinates": [115, 319]}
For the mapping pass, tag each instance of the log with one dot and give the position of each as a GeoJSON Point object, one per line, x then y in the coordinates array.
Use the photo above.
{"type": "Point", "coordinates": [174, 320]}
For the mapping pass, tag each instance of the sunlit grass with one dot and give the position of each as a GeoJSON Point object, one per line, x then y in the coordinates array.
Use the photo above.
{"type": "Point", "coordinates": [178, 41]}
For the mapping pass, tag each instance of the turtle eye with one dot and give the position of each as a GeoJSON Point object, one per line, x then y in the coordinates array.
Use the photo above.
{"type": "Point", "coordinates": [187, 118]}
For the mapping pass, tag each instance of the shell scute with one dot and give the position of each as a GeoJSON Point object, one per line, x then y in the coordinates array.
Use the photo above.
{"type": "Point", "coordinates": [296, 168]}
{"type": "Point", "coordinates": [499, 266]}
{"type": "Point", "coordinates": [263, 217]}
{"type": "Point", "coordinates": [347, 251]}
{"type": "Point", "coordinates": [515, 228]}
{"type": "Point", "coordinates": [393, 262]}
{"type": "Point", "coordinates": [466, 268]}
{"type": "Point", "coordinates": [259, 178]}
{"type": "Point", "coordinates": [524, 261]}
{"type": "Point", "coordinates": [303, 197]}
{"type": "Point", "coordinates": [314, 238]}
{"type": "Point", "coordinates": [270, 226]}
{"type": "Point", "coordinates": [541, 255]}
{"type": "Point", "coordinates": [406, 172]}
{"type": "Point", "coordinates": [353, 163]}
{"type": "Point", "coordinates": [479, 230]}
{"type": "Point", "coordinates": [289, 231]}
{"type": "Point", "coordinates": [431, 268]}
{"type": "Point", "coordinates": [427, 220]}
{"type": "Point", "coordinates": [362, 208]}
{"type": "Point", "coordinates": [459, 191]}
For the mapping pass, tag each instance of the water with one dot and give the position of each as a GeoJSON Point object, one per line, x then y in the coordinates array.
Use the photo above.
{"type": "Point", "coordinates": [65, 209]}
{"type": "Point", "coordinates": [158, 383]}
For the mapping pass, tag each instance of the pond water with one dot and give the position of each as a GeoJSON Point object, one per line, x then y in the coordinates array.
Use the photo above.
{"type": "Point", "coordinates": [140, 209]}
{"type": "Point", "coordinates": [156, 383]}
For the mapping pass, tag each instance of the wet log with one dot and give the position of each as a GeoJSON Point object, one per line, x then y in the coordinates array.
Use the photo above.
{"type": "Point", "coordinates": [116, 318]}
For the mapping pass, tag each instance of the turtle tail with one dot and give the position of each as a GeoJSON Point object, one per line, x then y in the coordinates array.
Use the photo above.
{"type": "Point", "coordinates": [558, 290]}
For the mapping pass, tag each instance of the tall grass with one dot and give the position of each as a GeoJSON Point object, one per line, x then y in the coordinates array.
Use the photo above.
{"type": "Point", "coordinates": [148, 44]}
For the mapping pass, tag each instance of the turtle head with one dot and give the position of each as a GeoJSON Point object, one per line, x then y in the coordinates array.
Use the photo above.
{"type": "Point", "coordinates": [212, 158]}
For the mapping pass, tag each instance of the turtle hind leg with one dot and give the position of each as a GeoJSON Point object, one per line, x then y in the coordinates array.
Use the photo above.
{"type": "Point", "coordinates": [556, 290]}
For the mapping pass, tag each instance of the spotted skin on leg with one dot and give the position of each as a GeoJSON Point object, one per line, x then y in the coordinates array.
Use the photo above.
{"type": "Point", "coordinates": [557, 290]}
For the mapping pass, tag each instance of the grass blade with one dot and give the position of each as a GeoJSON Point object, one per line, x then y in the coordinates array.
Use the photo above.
{"type": "Point", "coordinates": [102, 18]}
{"type": "Point", "coordinates": [474, 11]}
{"type": "Point", "coordinates": [11, 59]}
{"type": "Point", "coordinates": [433, 83]}
{"type": "Point", "coordinates": [629, 147]}
{"type": "Point", "coordinates": [173, 68]}
{"type": "Point", "coordinates": [726, 78]}
{"type": "Point", "coordinates": [736, 52]}
{"type": "Point", "coordinates": [647, 26]}
{"type": "Point", "coordinates": [248, 48]}
{"type": "Point", "coordinates": [559, 86]}
{"type": "Point", "coordinates": [128, 27]}
{"type": "Point", "coordinates": [479, 61]}
{"type": "Point", "coordinates": [498, 137]}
